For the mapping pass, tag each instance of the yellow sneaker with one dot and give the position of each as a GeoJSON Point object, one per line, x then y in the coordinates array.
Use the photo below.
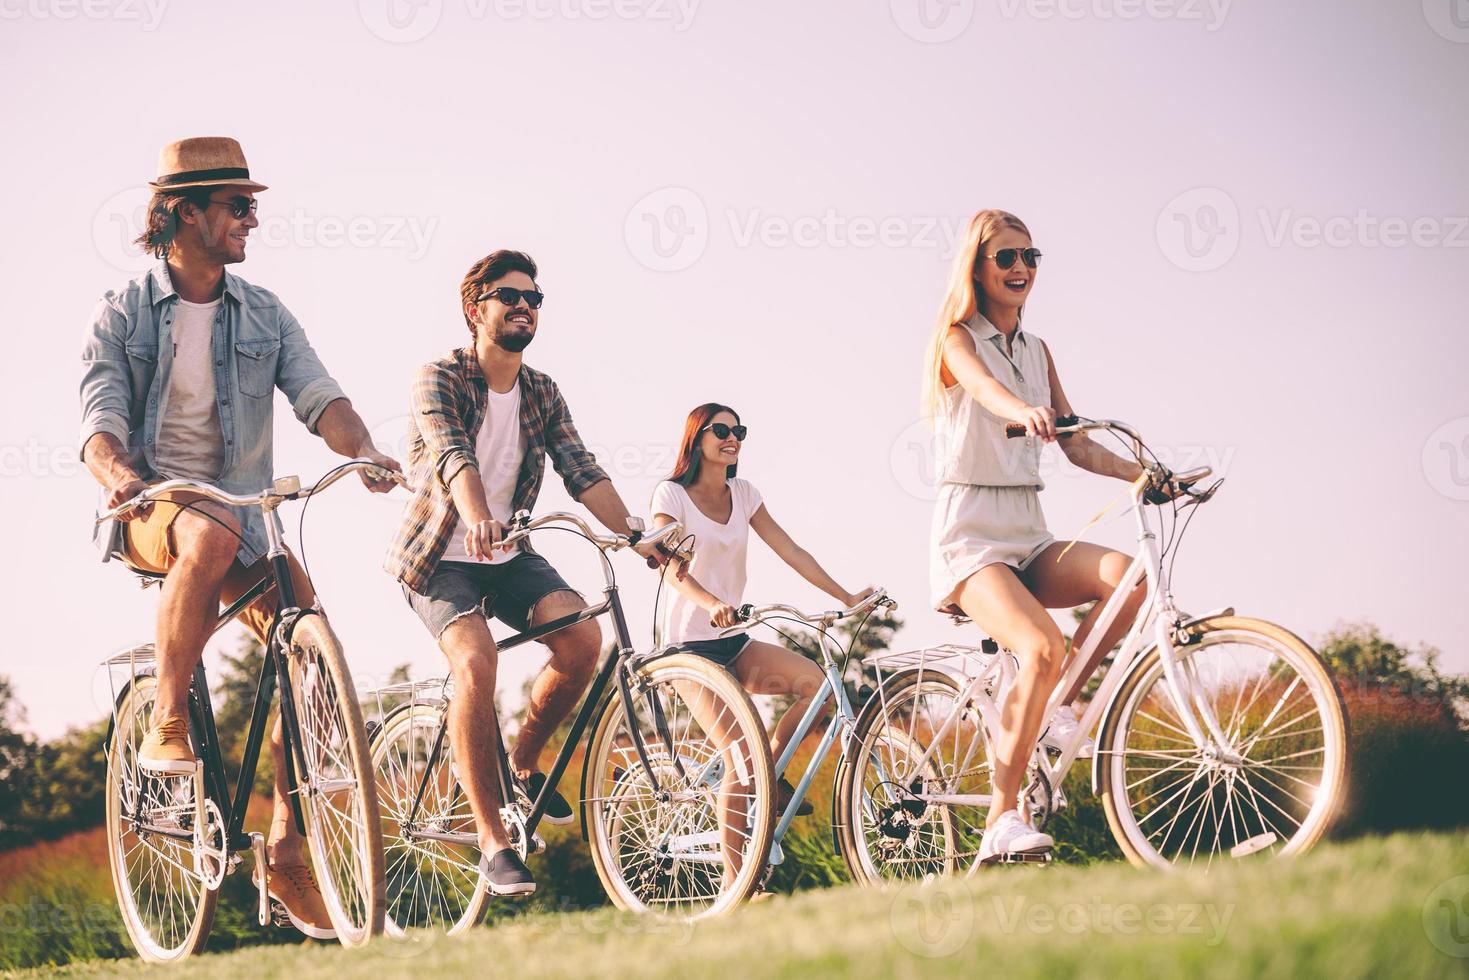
{"type": "Point", "coordinates": [166, 751]}
{"type": "Point", "coordinates": [295, 887]}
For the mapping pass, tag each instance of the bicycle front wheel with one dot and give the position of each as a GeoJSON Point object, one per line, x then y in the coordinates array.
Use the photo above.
{"type": "Point", "coordinates": [687, 834]}
{"type": "Point", "coordinates": [165, 906]}
{"type": "Point", "coordinates": [1277, 783]}
{"type": "Point", "coordinates": [913, 793]}
{"type": "Point", "coordinates": [338, 791]}
{"type": "Point", "coordinates": [430, 842]}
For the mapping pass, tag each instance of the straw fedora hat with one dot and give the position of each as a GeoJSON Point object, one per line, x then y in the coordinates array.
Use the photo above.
{"type": "Point", "coordinates": [203, 161]}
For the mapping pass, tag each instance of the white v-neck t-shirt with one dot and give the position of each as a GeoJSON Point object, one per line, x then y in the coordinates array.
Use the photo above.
{"type": "Point", "coordinates": [190, 441]}
{"type": "Point", "coordinates": [499, 447]}
{"type": "Point", "coordinates": [719, 556]}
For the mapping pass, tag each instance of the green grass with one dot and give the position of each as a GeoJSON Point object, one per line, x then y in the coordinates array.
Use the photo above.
{"type": "Point", "coordinates": [1356, 909]}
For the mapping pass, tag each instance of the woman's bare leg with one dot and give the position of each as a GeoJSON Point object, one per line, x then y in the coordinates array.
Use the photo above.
{"type": "Point", "coordinates": [1088, 572]}
{"type": "Point", "coordinates": [736, 788]}
{"type": "Point", "coordinates": [996, 600]}
{"type": "Point", "coordinates": [764, 668]}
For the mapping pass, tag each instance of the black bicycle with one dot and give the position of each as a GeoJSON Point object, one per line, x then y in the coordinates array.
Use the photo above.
{"type": "Point", "coordinates": [676, 781]}
{"type": "Point", "coordinates": [172, 839]}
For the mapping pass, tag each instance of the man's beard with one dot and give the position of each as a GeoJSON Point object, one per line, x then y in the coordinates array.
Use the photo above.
{"type": "Point", "coordinates": [513, 340]}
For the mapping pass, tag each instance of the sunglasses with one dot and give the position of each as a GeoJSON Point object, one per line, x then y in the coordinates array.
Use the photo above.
{"type": "Point", "coordinates": [239, 206]}
{"type": "Point", "coordinates": [722, 431]}
{"type": "Point", "coordinates": [1005, 257]}
{"type": "Point", "coordinates": [511, 296]}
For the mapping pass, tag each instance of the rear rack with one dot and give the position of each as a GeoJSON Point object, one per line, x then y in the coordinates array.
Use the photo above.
{"type": "Point", "coordinates": [379, 702]}
{"type": "Point", "coordinates": [954, 659]}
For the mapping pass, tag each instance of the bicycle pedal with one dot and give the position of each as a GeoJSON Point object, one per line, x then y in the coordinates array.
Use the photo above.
{"type": "Point", "coordinates": [279, 917]}
{"type": "Point", "coordinates": [537, 844]}
{"type": "Point", "coordinates": [1044, 857]}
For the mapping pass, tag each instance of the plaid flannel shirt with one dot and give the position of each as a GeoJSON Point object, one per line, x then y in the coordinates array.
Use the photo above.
{"type": "Point", "coordinates": [448, 407]}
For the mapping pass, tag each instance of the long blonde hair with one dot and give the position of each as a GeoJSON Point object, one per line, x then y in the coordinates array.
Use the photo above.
{"type": "Point", "coordinates": [960, 303]}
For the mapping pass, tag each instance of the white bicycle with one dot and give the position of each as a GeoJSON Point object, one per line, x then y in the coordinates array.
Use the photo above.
{"type": "Point", "coordinates": [1221, 736]}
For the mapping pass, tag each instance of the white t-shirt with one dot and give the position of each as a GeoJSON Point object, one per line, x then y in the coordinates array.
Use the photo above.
{"type": "Point", "coordinates": [190, 442]}
{"type": "Point", "coordinates": [719, 556]}
{"type": "Point", "coordinates": [499, 448]}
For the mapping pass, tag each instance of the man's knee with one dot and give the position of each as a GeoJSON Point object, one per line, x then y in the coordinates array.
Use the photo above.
{"type": "Point", "coordinates": [574, 650]}
{"type": "Point", "coordinates": [470, 649]}
{"type": "Point", "coordinates": [207, 544]}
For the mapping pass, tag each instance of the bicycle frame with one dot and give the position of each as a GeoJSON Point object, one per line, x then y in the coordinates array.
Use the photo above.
{"type": "Point", "coordinates": [1158, 615]}
{"type": "Point", "coordinates": [591, 704]}
{"type": "Point", "coordinates": [273, 674]}
{"type": "Point", "coordinates": [843, 720]}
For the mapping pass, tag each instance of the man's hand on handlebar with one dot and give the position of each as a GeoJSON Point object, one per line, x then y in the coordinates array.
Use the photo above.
{"type": "Point", "coordinates": [484, 538]}
{"type": "Point", "coordinates": [122, 494]}
{"type": "Point", "coordinates": [374, 482]}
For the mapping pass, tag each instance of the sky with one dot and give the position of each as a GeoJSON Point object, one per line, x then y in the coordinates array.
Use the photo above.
{"type": "Point", "coordinates": [1254, 218]}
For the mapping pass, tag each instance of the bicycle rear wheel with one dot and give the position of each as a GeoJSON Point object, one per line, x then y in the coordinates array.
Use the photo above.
{"type": "Point", "coordinates": [691, 838]}
{"type": "Point", "coordinates": [165, 906]}
{"type": "Point", "coordinates": [889, 826]}
{"type": "Point", "coordinates": [430, 842]}
{"type": "Point", "coordinates": [335, 776]}
{"type": "Point", "coordinates": [1278, 786]}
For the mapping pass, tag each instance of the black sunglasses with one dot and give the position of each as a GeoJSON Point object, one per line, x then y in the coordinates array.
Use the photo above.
{"type": "Point", "coordinates": [239, 206]}
{"type": "Point", "coordinates": [511, 296]}
{"type": "Point", "coordinates": [722, 431]}
{"type": "Point", "coordinates": [1005, 257]}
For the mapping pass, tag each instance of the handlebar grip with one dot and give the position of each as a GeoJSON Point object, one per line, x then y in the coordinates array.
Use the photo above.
{"type": "Point", "coordinates": [1014, 430]}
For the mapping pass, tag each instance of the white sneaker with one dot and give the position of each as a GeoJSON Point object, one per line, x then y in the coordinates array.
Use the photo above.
{"type": "Point", "coordinates": [1011, 835]}
{"type": "Point", "coordinates": [1062, 731]}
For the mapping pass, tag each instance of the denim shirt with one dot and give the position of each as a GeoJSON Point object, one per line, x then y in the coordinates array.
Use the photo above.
{"type": "Point", "coordinates": [258, 347]}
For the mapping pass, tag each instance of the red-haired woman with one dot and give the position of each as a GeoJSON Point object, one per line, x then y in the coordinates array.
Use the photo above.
{"type": "Point", "coordinates": [719, 509]}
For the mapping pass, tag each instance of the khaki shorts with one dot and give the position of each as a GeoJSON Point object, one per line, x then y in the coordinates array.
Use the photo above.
{"type": "Point", "coordinates": [974, 527]}
{"type": "Point", "coordinates": [148, 545]}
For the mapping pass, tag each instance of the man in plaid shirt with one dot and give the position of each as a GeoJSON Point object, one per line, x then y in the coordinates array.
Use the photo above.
{"type": "Point", "coordinates": [480, 428]}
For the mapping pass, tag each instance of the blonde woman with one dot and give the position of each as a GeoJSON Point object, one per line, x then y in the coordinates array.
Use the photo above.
{"type": "Point", "coordinates": [992, 556]}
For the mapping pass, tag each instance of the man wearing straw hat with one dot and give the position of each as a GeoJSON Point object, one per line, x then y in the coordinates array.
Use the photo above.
{"type": "Point", "coordinates": [180, 368]}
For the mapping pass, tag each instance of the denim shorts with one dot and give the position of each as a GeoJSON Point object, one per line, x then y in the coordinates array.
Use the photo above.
{"type": "Point", "coordinates": [721, 651]}
{"type": "Point", "coordinates": [507, 591]}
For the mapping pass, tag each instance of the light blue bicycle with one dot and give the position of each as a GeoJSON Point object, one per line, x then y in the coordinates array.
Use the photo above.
{"type": "Point", "coordinates": [839, 731]}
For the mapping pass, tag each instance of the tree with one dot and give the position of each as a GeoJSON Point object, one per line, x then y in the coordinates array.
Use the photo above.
{"type": "Point", "coordinates": [17, 753]}
{"type": "Point", "coordinates": [1358, 653]}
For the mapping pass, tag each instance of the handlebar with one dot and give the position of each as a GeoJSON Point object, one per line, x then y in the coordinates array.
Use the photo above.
{"type": "Point", "coordinates": [753, 614]}
{"type": "Point", "coordinates": [283, 489]}
{"type": "Point", "coordinates": [1154, 478]}
{"type": "Point", "coordinates": [607, 542]}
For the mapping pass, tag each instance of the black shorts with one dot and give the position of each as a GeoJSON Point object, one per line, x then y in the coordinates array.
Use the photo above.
{"type": "Point", "coordinates": [722, 651]}
{"type": "Point", "coordinates": [507, 591]}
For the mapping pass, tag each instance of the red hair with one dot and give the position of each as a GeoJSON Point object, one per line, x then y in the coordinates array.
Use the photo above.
{"type": "Point", "coordinates": [689, 458]}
